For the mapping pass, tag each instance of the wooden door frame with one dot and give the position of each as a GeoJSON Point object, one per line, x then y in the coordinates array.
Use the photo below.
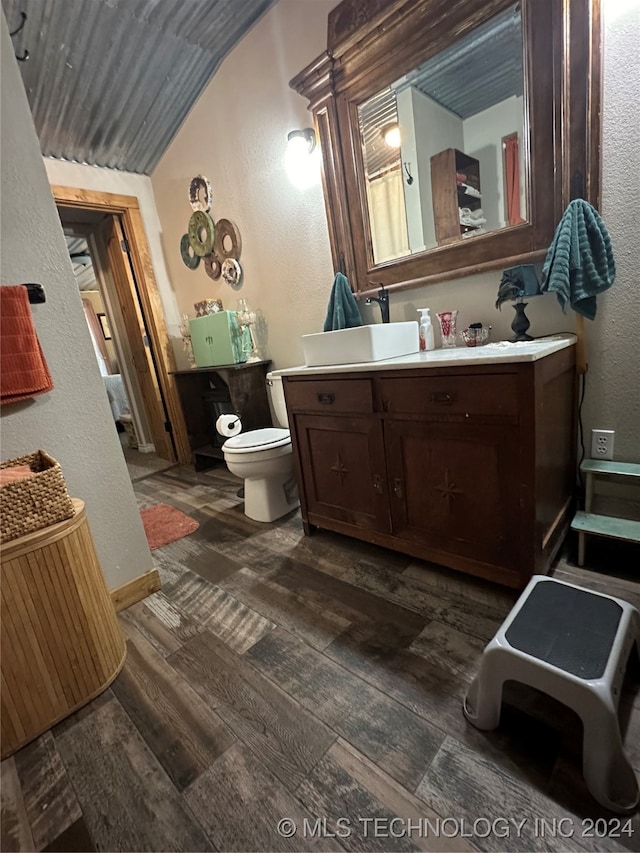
{"type": "Point", "coordinates": [127, 207]}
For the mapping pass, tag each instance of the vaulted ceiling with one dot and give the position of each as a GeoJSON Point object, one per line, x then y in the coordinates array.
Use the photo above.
{"type": "Point", "coordinates": [109, 82]}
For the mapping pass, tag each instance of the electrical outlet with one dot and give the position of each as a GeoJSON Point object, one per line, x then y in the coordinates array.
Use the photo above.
{"type": "Point", "coordinates": [602, 443]}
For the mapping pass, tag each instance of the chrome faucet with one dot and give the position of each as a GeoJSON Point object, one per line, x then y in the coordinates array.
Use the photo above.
{"type": "Point", "coordinates": [383, 301]}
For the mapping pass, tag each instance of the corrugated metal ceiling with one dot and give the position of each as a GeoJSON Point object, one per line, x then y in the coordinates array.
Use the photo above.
{"type": "Point", "coordinates": [81, 262]}
{"type": "Point", "coordinates": [110, 81]}
{"type": "Point", "coordinates": [480, 70]}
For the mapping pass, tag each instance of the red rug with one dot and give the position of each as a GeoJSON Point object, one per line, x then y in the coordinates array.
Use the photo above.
{"type": "Point", "coordinates": [164, 524]}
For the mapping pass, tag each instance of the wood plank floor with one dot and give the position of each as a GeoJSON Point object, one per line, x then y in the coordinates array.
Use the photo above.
{"type": "Point", "coordinates": [315, 679]}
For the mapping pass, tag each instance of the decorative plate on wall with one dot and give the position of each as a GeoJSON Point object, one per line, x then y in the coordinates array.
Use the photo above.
{"type": "Point", "coordinates": [200, 193]}
{"type": "Point", "coordinates": [227, 242]}
{"type": "Point", "coordinates": [213, 266]}
{"type": "Point", "coordinates": [232, 272]}
{"type": "Point", "coordinates": [201, 233]}
{"type": "Point", "coordinates": [187, 254]}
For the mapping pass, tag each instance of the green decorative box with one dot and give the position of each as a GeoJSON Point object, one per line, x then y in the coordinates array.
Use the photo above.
{"type": "Point", "coordinates": [219, 339]}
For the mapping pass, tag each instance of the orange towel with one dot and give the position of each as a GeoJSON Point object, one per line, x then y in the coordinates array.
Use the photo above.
{"type": "Point", "coordinates": [23, 369]}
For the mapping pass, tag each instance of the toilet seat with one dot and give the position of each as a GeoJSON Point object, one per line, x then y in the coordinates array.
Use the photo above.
{"type": "Point", "coordinates": [257, 440]}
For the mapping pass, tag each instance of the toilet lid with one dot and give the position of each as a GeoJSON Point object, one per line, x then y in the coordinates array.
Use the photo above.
{"type": "Point", "coordinates": [258, 438]}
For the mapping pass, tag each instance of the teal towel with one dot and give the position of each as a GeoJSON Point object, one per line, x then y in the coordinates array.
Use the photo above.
{"type": "Point", "coordinates": [579, 263]}
{"type": "Point", "coordinates": [343, 312]}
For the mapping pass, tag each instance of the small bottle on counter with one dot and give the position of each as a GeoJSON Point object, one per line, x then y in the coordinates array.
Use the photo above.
{"type": "Point", "coordinates": [427, 341]}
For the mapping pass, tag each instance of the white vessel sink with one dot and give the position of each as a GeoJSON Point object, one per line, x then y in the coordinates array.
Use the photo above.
{"type": "Point", "coordinates": [364, 343]}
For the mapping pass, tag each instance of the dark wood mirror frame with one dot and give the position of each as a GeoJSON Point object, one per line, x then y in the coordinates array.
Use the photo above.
{"type": "Point", "coordinates": [370, 44]}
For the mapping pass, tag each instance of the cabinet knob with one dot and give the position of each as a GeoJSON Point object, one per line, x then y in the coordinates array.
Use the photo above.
{"type": "Point", "coordinates": [377, 483]}
{"type": "Point", "coordinates": [397, 487]}
{"type": "Point", "coordinates": [386, 405]}
{"type": "Point", "coordinates": [326, 399]}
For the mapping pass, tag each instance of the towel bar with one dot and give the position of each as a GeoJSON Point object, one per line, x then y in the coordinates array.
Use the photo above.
{"type": "Point", "coordinates": [36, 294]}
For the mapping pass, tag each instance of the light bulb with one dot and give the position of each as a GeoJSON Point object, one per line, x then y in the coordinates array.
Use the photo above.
{"type": "Point", "coordinates": [391, 136]}
{"type": "Point", "coordinates": [302, 162]}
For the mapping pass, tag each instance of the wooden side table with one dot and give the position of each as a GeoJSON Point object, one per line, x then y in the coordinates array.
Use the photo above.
{"type": "Point", "coordinates": [61, 642]}
{"type": "Point", "coordinates": [206, 392]}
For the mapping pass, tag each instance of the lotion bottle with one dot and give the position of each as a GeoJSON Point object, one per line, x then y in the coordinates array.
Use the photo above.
{"type": "Point", "coordinates": [426, 330]}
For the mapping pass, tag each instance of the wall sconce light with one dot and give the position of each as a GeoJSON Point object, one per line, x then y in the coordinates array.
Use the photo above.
{"type": "Point", "coordinates": [301, 161]}
{"type": "Point", "coordinates": [304, 139]}
{"type": "Point", "coordinates": [391, 135]}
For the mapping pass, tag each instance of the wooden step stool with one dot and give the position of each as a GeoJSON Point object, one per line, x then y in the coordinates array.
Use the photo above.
{"type": "Point", "coordinates": [572, 644]}
{"type": "Point", "coordinates": [604, 525]}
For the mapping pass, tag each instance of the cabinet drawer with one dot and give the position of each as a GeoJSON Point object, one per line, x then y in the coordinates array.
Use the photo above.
{"type": "Point", "coordinates": [330, 396]}
{"type": "Point", "coordinates": [451, 395]}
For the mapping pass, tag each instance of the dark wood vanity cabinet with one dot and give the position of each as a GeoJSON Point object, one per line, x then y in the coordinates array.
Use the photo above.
{"type": "Point", "coordinates": [343, 468]}
{"type": "Point", "coordinates": [469, 467]}
{"type": "Point", "coordinates": [340, 451]}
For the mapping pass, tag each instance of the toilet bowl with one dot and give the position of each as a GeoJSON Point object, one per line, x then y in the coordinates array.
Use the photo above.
{"type": "Point", "coordinates": [263, 458]}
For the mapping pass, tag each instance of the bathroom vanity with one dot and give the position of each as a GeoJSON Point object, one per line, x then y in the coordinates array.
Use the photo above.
{"type": "Point", "coordinates": [465, 457]}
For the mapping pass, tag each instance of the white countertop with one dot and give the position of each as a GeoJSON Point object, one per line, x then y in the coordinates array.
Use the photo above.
{"type": "Point", "coordinates": [502, 352]}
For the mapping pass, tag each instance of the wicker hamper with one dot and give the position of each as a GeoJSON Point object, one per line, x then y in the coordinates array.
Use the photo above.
{"type": "Point", "coordinates": [36, 502]}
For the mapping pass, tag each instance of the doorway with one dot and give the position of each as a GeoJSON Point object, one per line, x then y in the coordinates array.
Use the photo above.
{"type": "Point", "coordinates": [132, 317]}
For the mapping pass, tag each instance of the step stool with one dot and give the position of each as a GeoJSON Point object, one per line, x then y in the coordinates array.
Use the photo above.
{"type": "Point", "coordinates": [604, 525]}
{"type": "Point", "coordinates": [572, 644]}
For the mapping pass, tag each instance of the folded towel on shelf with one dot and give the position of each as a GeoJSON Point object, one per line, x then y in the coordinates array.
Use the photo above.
{"type": "Point", "coordinates": [579, 263]}
{"type": "Point", "coordinates": [24, 369]}
{"type": "Point", "coordinates": [342, 312]}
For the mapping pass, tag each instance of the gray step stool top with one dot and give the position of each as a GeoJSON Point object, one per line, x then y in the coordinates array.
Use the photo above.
{"type": "Point", "coordinates": [572, 644]}
{"type": "Point", "coordinates": [566, 627]}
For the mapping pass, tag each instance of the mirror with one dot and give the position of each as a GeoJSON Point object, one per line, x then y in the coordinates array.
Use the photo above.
{"type": "Point", "coordinates": [443, 148]}
{"type": "Point", "coordinates": [496, 109]}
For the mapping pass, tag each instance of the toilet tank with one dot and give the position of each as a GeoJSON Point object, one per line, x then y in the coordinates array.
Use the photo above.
{"type": "Point", "coordinates": [275, 392]}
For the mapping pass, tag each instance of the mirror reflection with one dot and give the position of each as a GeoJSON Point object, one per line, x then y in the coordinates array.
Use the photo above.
{"type": "Point", "coordinates": [444, 147]}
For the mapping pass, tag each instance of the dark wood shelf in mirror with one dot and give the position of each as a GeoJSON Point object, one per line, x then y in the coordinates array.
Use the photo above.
{"type": "Point", "coordinates": [453, 75]}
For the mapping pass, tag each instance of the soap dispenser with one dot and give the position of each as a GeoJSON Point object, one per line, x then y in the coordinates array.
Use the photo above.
{"type": "Point", "coordinates": [426, 330]}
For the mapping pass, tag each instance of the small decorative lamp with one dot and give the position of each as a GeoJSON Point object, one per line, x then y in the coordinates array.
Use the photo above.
{"type": "Point", "coordinates": [519, 283]}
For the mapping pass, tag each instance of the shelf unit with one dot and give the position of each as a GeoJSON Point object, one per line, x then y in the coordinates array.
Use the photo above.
{"type": "Point", "coordinates": [206, 392]}
{"type": "Point", "coordinates": [593, 524]}
{"type": "Point", "coordinates": [449, 196]}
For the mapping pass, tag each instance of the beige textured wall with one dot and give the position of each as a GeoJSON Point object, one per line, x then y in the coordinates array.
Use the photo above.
{"type": "Point", "coordinates": [612, 400]}
{"type": "Point", "coordinates": [73, 422]}
{"type": "Point", "coordinates": [236, 135]}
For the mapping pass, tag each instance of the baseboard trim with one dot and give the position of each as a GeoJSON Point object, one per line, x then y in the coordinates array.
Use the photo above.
{"type": "Point", "coordinates": [135, 590]}
{"type": "Point", "coordinates": [146, 448]}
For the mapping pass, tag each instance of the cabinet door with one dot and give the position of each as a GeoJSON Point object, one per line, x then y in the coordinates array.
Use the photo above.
{"type": "Point", "coordinates": [343, 469]}
{"type": "Point", "coordinates": [454, 488]}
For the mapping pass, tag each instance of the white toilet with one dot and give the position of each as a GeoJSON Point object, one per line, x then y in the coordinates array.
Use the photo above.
{"type": "Point", "coordinates": [263, 458]}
